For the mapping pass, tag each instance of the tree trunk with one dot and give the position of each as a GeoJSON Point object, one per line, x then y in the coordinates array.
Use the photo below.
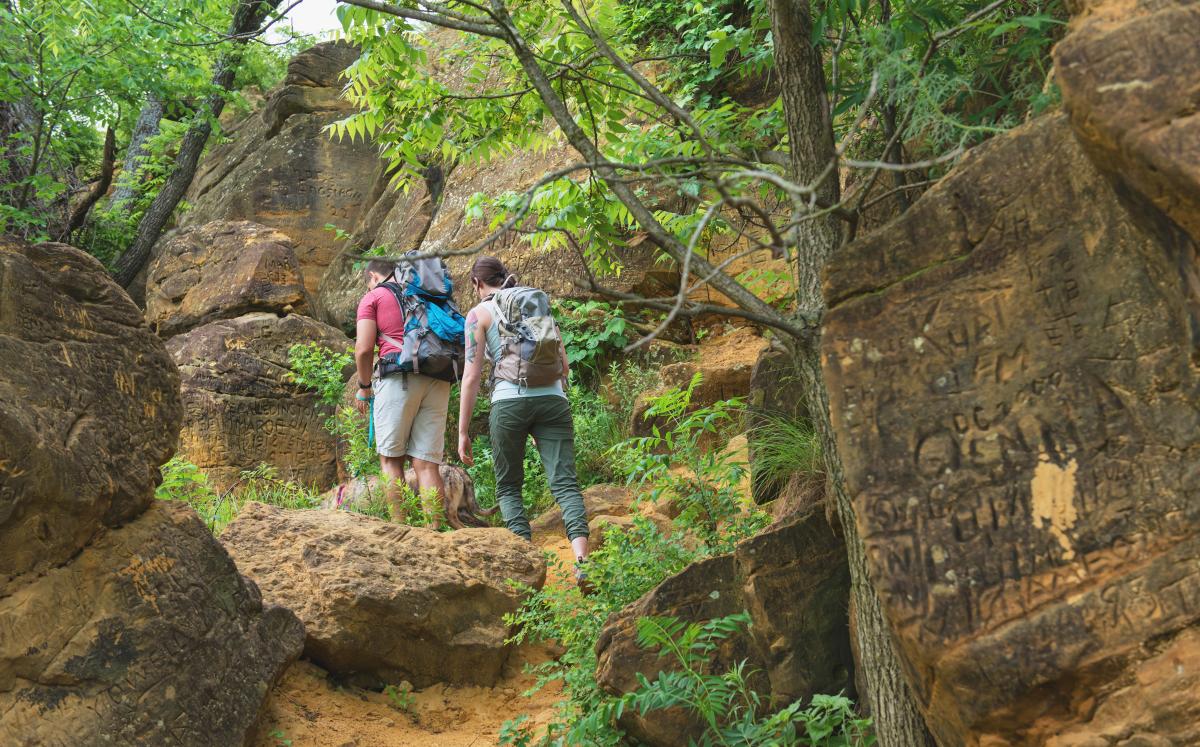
{"type": "Point", "coordinates": [147, 127]}
{"type": "Point", "coordinates": [898, 722]}
{"type": "Point", "coordinates": [80, 213]}
{"type": "Point", "coordinates": [247, 18]}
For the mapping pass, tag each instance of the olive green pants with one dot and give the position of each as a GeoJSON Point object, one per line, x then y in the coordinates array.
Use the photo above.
{"type": "Point", "coordinates": [548, 420]}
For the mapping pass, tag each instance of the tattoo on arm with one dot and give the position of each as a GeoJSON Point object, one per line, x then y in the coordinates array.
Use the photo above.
{"type": "Point", "coordinates": [472, 344]}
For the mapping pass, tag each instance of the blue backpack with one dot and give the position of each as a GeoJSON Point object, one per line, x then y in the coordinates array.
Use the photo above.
{"type": "Point", "coordinates": [433, 325]}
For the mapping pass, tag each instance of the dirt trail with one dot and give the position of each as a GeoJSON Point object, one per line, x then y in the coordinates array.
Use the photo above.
{"type": "Point", "coordinates": [307, 709]}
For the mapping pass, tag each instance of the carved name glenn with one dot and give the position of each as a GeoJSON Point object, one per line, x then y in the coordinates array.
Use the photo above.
{"type": "Point", "coordinates": [1011, 383]}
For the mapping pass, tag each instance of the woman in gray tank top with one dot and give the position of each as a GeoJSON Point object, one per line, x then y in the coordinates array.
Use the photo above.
{"type": "Point", "coordinates": [517, 412]}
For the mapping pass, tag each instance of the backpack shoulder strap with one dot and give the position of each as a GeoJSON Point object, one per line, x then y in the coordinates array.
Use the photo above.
{"type": "Point", "coordinates": [494, 309]}
{"type": "Point", "coordinates": [396, 293]}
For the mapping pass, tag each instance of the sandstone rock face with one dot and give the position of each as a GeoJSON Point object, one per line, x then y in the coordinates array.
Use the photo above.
{"type": "Point", "coordinates": [240, 407]}
{"type": "Point", "coordinates": [1128, 75]}
{"type": "Point", "coordinates": [598, 500]}
{"type": "Point", "coordinates": [385, 602]}
{"type": "Point", "coordinates": [82, 452]}
{"type": "Point", "coordinates": [725, 364]}
{"type": "Point", "coordinates": [1016, 399]}
{"type": "Point", "coordinates": [122, 620]}
{"type": "Point", "coordinates": [794, 582]}
{"type": "Point", "coordinates": [397, 222]}
{"type": "Point", "coordinates": [280, 169]}
{"type": "Point", "coordinates": [221, 270]}
{"type": "Point", "coordinates": [149, 636]}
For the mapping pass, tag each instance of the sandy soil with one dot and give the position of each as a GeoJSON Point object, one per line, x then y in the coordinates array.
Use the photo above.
{"type": "Point", "coordinates": [308, 708]}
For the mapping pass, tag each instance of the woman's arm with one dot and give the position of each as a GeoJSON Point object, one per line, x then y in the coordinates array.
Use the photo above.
{"type": "Point", "coordinates": [478, 321]}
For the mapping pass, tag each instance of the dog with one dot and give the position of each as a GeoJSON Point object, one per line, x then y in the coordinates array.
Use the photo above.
{"type": "Point", "coordinates": [458, 501]}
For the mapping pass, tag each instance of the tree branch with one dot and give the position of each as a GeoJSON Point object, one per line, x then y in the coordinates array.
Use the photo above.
{"type": "Point", "coordinates": [645, 218]}
{"type": "Point", "coordinates": [437, 19]}
{"type": "Point", "coordinates": [79, 214]}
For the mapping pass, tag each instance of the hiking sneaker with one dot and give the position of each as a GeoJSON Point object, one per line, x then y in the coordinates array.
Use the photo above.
{"type": "Point", "coordinates": [586, 587]}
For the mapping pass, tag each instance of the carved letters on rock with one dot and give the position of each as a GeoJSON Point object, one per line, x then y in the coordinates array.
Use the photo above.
{"type": "Point", "coordinates": [122, 620]}
{"type": "Point", "coordinates": [219, 270]}
{"type": "Point", "coordinates": [89, 405]}
{"type": "Point", "coordinates": [241, 408]}
{"type": "Point", "coordinates": [1015, 397]}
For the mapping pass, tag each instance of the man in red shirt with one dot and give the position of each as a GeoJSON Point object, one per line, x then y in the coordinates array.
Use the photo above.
{"type": "Point", "coordinates": [409, 409]}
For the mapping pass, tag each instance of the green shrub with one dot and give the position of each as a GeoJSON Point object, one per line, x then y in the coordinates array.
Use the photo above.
{"type": "Point", "coordinates": [183, 481]}
{"type": "Point", "coordinates": [591, 331]}
{"type": "Point", "coordinates": [708, 487]}
{"type": "Point", "coordinates": [627, 380]}
{"type": "Point", "coordinates": [631, 562]}
{"type": "Point", "coordinates": [320, 369]}
{"type": "Point", "coordinates": [597, 430]}
{"type": "Point", "coordinates": [785, 448]}
{"type": "Point", "coordinates": [724, 702]}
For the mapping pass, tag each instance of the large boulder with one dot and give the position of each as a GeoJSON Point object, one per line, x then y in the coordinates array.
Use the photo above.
{"type": "Point", "coordinates": [149, 636]}
{"type": "Point", "coordinates": [241, 407]}
{"type": "Point", "coordinates": [793, 580]}
{"type": "Point", "coordinates": [1014, 389]}
{"type": "Point", "coordinates": [598, 500]}
{"type": "Point", "coordinates": [89, 406]}
{"type": "Point", "coordinates": [122, 620]}
{"type": "Point", "coordinates": [383, 602]}
{"type": "Point", "coordinates": [221, 270]}
{"type": "Point", "coordinates": [1128, 76]}
{"type": "Point", "coordinates": [282, 169]}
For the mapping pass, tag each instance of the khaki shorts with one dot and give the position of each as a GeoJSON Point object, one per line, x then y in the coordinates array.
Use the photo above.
{"type": "Point", "coordinates": [411, 419]}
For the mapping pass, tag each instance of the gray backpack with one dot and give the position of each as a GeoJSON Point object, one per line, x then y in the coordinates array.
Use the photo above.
{"type": "Point", "coordinates": [530, 346]}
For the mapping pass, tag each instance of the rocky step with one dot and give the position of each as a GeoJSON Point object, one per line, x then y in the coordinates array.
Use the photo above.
{"type": "Point", "coordinates": [384, 602]}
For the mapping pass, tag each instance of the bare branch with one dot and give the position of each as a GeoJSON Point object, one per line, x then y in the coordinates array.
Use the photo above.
{"type": "Point", "coordinates": [693, 309]}
{"type": "Point", "coordinates": [437, 19]}
{"type": "Point", "coordinates": [911, 166]}
{"type": "Point", "coordinates": [681, 296]}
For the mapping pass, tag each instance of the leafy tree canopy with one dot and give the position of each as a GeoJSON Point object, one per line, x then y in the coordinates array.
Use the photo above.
{"type": "Point", "coordinates": [75, 67]}
{"type": "Point", "coordinates": [910, 81]}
